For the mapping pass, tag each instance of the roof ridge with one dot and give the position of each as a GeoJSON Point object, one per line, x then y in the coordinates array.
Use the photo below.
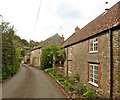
{"type": "Point", "coordinates": [100, 23]}
{"type": "Point", "coordinates": [45, 41]}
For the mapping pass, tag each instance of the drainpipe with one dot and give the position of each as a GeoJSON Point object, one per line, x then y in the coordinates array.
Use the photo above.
{"type": "Point", "coordinates": [111, 65]}
{"type": "Point", "coordinates": [67, 61]}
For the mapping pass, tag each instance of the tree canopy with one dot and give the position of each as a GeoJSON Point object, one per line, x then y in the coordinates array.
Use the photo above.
{"type": "Point", "coordinates": [13, 50]}
{"type": "Point", "coordinates": [10, 60]}
{"type": "Point", "coordinates": [50, 54]}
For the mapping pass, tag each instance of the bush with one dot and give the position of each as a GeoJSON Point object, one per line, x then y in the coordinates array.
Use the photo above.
{"type": "Point", "coordinates": [50, 70]}
{"type": "Point", "coordinates": [80, 88]}
{"type": "Point", "coordinates": [89, 94]}
{"type": "Point", "coordinates": [61, 79]}
{"type": "Point", "coordinates": [74, 88]}
{"type": "Point", "coordinates": [69, 86]}
{"type": "Point", "coordinates": [10, 60]}
{"type": "Point", "coordinates": [47, 55]}
{"type": "Point", "coordinates": [50, 54]}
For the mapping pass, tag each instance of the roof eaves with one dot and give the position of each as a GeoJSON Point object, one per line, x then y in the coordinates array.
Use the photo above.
{"type": "Point", "coordinates": [35, 48]}
{"type": "Point", "coordinates": [117, 25]}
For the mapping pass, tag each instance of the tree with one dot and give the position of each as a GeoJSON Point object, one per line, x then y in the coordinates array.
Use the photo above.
{"type": "Point", "coordinates": [33, 43]}
{"type": "Point", "coordinates": [25, 50]}
{"type": "Point", "coordinates": [21, 45]}
{"type": "Point", "coordinates": [50, 55]}
{"type": "Point", "coordinates": [59, 57]}
{"type": "Point", "coordinates": [10, 61]}
{"type": "Point", "coordinates": [24, 42]}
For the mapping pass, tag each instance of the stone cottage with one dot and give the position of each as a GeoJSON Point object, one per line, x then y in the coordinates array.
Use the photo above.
{"type": "Point", "coordinates": [93, 53]}
{"type": "Point", "coordinates": [27, 58]}
{"type": "Point", "coordinates": [37, 50]}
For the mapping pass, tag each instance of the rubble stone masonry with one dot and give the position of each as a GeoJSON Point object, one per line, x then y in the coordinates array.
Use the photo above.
{"type": "Point", "coordinates": [116, 63]}
{"type": "Point", "coordinates": [81, 58]}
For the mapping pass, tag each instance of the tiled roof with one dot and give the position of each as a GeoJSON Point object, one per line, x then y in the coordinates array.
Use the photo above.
{"type": "Point", "coordinates": [56, 39]}
{"type": "Point", "coordinates": [102, 22]}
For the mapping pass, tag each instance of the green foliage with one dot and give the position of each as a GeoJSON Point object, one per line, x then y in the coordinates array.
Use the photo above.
{"type": "Point", "coordinates": [60, 77]}
{"type": "Point", "coordinates": [89, 94]}
{"type": "Point", "coordinates": [46, 59]}
{"type": "Point", "coordinates": [21, 45]}
{"type": "Point", "coordinates": [80, 88]}
{"type": "Point", "coordinates": [68, 85]}
{"type": "Point", "coordinates": [75, 89]}
{"type": "Point", "coordinates": [49, 70]}
{"type": "Point", "coordinates": [10, 59]}
{"type": "Point", "coordinates": [32, 43]}
{"type": "Point", "coordinates": [24, 51]}
{"type": "Point", "coordinates": [24, 42]}
{"type": "Point", "coordinates": [59, 56]}
{"type": "Point", "coordinates": [50, 55]}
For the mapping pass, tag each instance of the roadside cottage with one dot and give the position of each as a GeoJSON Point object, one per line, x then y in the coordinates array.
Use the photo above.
{"type": "Point", "coordinates": [93, 53]}
{"type": "Point", "coordinates": [27, 58]}
{"type": "Point", "coordinates": [37, 50]}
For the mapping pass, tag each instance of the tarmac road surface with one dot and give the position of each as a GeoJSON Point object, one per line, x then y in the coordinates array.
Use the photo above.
{"type": "Point", "coordinates": [30, 82]}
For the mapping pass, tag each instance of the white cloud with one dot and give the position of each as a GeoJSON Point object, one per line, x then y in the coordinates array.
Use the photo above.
{"type": "Point", "coordinates": [56, 16]}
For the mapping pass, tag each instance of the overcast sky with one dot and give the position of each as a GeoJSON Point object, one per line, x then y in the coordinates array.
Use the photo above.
{"type": "Point", "coordinates": [56, 16]}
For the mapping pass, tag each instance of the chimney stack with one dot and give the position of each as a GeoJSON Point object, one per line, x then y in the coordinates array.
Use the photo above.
{"type": "Point", "coordinates": [62, 37]}
{"type": "Point", "coordinates": [77, 29]}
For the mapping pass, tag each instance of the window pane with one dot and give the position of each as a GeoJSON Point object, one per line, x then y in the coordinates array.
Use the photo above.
{"type": "Point", "coordinates": [95, 47]}
{"type": "Point", "coordinates": [94, 44]}
{"type": "Point", "coordinates": [70, 65]}
{"type": "Point", "coordinates": [91, 48]}
{"type": "Point", "coordinates": [95, 39]}
{"type": "Point", "coordinates": [96, 81]}
{"type": "Point", "coordinates": [91, 72]}
{"type": "Point", "coordinates": [91, 75]}
{"type": "Point", "coordinates": [96, 72]}
{"type": "Point", "coordinates": [91, 45]}
{"type": "Point", "coordinates": [91, 66]}
{"type": "Point", "coordinates": [91, 41]}
{"type": "Point", "coordinates": [91, 79]}
{"type": "Point", "coordinates": [96, 67]}
{"type": "Point", "coordinates": [96, 76]}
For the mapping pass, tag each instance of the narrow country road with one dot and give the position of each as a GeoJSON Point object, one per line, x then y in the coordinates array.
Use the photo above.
{"type": "Point", "coordinates": [30, 82]}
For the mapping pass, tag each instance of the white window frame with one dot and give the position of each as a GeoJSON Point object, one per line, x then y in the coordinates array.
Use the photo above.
{"type": "Point", "coordinates": [71, 50]}
{"type": "Point", "coordinates": [70, 67]}
{"type": "Point", "coordinates": [93, 45]}
{"type": "Point", "coordinates": [93, 83]}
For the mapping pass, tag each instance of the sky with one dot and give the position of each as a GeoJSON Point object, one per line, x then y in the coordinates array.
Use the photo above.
{"type": "Point", "coordinates": [55, 16]}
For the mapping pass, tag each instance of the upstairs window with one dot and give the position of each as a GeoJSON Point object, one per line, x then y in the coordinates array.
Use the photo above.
{"type": "Point", "coordinates": [70, 66]}
{"type": "Point", "coordinates": [71, 50]}
{"type": "Point", "coordinates": [93, 45]}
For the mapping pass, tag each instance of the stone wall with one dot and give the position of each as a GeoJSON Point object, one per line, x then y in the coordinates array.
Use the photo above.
{"type": "Point", "coordinates": [35, 58]}
{"type": "Point", "coordinates": [116, 63]}
{"type": "Point", "coordinates": [81, 58]}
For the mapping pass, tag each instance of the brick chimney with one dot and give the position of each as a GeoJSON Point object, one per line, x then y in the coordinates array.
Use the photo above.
{"type": "Point", "coordinates": [77, 29]}
{"type": "Point", "coordinates": [62, 37]}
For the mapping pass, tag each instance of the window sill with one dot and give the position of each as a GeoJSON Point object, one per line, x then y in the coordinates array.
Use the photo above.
{"type": "Point", "coordinates": [93, 51]}
{"type": "Point", "coordinates": [70, 72]}
{"type": "Point", "coordinates": [94, 84]}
